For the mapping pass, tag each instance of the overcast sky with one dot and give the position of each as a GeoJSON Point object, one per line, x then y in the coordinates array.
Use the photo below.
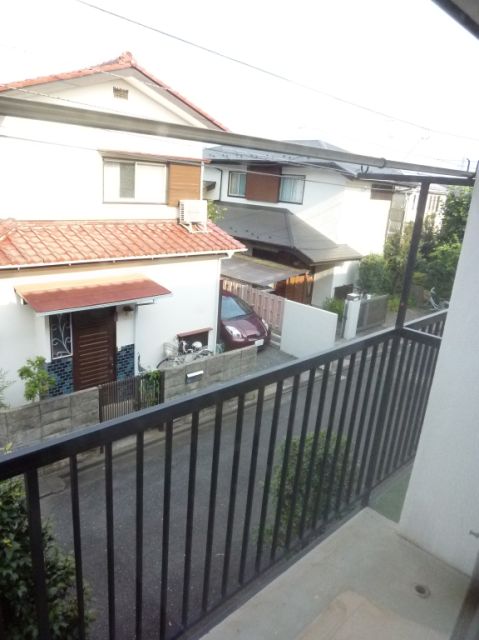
{"type": "Point", "coordinates": [403, 58]}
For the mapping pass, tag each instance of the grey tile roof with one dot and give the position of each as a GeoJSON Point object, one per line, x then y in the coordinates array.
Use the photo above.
{"type": "Point", "coordinates": [229, 154]}
{"type": "Point", "coordinates": [281, 228]}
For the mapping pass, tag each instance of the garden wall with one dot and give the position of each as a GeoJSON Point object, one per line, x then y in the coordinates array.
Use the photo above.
{"type": "Point", "coordinates": [48, 418]}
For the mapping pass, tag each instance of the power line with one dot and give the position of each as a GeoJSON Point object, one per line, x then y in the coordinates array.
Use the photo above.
{"type": "Point", "coordinates": [458, 163]}
{"type": "Point", "coordinates": [274, 74]}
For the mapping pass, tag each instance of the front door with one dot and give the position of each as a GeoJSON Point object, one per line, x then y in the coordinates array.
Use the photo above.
{"type": "Point", "coordinates": [94, 342]}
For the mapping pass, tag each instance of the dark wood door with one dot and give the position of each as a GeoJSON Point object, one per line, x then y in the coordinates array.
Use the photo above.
{"type": "Point", "coordinates": [94, 342]}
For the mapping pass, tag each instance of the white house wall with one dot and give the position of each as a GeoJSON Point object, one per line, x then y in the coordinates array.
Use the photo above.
{"type": "Point", "coordinates": [193, 304]}
{"type": "Point", "coordinates": [339, 208]}
{"type": "Point", "coordinates": [63, 179]}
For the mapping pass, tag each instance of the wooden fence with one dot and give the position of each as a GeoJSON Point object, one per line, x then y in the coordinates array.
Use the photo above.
{"type": "Point", "coordinates": [267, 305]}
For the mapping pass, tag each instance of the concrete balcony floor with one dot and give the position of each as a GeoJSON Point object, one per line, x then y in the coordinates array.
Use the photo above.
{"type": "Point", "coordinates": [358, 584]}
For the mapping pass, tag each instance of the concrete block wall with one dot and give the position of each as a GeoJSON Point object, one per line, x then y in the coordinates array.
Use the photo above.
{"type": "Point", "coordinates": [48, 418]}
{"type": "Point", "coordinates": [216, 369]}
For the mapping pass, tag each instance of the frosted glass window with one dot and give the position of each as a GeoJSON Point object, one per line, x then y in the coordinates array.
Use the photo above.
{"type": "Point", "coordinates": [134, 182]}
{"type": "Point", "coordinates": [291, 189]}
{"type": "Point", "coordinates": [237, 184]}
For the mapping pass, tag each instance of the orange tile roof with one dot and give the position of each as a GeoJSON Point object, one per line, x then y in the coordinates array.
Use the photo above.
{"type": "Point", "coordinates": [25, 243]}
{"type": "Point", "coordinates": [124, 61]}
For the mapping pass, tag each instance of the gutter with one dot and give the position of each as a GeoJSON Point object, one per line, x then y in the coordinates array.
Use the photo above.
{"type": "Point", "coordinates": [219, 252]}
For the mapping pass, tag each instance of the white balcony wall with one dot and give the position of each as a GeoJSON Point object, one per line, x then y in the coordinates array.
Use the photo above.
{"type": "Point", "coordinates": [441, 509]}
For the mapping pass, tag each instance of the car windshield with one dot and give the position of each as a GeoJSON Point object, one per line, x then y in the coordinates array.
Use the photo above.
{"type": "Point", "coordinates": [233, 307]}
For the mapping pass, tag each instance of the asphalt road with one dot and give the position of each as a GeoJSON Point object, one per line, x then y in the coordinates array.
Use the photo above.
{"type": "Point", "coordinates": [92, 503]}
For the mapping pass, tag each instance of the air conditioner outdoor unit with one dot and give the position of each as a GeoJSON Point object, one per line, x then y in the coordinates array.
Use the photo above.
{"type": "Point", "coordinates": [194, 212]}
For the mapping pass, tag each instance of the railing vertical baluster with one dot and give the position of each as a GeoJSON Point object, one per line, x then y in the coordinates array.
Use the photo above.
{"type": "Point", "coordinates": [314, 448]}
{"type": "Point", "coordinates": [139, 536]}
{"type": "Point", "coordinates": [36, 547]}
{"type": "Point", "coordinates": [318, 507]}
{"type": "Point", "coordinates": [251, 483]}
{"type": "Point", "coordinates": [417, 384]}
{"type": "Point", "coordinates": [212, 506]}
{"type": "Point", "coordinates": [421, 398]}
{"type": "Point", "coordinates": [350, 434]}
{"type": "Point", "coordinates": [409, 400]}
{"type": "Point", "coordinates": [361, 430]}
{"type": "Point", "coordinates": [372, 460]}
{"type": "Point", "coordinates": [284, 467]}
{"type": "Point", "coordinates": [77, 548]}
{"type": "Point", "coordinates": [165, 541]}
{"type": "Point", "coordinates": [299, 462]}
{"type": "Point", "coordinates": [189, 517]}
{"type": "Point", "coordinates": [232, 495]}
{"type": "Point", "coordinates": [388, 404]}
{"type": "Point", "coordinates": [269, 470]}
{"type": "Point", "coordinates": [339, 436]}
{"type": "Point", "coordinates": [431, 365]}
{"type": "Point", "coordinates": [404, 400]}
{"type": "Point", "coordinates": [110, 549]}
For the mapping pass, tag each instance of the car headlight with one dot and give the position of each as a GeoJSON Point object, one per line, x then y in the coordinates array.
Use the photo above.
{"type": "Point", "coordinates": [265, 324]}
{"type": "Point", "coordinates": [234, 332]}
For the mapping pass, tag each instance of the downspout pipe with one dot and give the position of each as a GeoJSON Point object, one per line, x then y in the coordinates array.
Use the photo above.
{"type": "Point", "coordinates": [412, 255]}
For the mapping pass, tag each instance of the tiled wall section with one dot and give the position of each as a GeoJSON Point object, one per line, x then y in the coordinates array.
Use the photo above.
{"type": "Point", "coordinates": [62, 370]}
{"type": "Point", "coordinates": [125, 362]}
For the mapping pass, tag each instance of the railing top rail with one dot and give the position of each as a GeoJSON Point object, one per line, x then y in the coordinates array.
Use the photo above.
{"type": "Point", "coordinates": [426, 320]}
{"type": "Point", "coordinates": [42, 454]}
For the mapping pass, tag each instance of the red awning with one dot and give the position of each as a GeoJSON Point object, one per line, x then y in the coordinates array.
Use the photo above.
{"type": "Point", "coordinates": [61, 297]}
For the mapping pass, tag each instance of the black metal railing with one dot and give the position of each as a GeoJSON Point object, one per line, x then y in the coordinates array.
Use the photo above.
{"type": "Point", "coordinates": [245, 474]}
{"type": "Point", "coordinates": [121, 397]}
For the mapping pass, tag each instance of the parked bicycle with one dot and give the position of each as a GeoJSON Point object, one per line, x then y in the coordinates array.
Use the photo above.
{"type": "Point", "coordinates": [182, 353]}
{"type": "Point", "coordinates": [435, 302]}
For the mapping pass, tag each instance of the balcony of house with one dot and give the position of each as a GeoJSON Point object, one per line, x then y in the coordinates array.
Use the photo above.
{"type": "Point", "coordinates": [170, 533]}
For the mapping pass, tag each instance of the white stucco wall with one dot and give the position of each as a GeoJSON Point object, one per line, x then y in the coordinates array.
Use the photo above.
{"type": "Point", "coordinates": [193, 304]}
{"type": "Point", "coordinates": [306, 330]}
{"type": "Point", "coordinates": [63, 179]}
{"type": "Point", "coordinates": [441, 507]}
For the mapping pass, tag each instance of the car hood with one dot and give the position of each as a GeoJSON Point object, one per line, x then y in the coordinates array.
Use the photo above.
{"type": "Point", "coordinates": [247, 325]}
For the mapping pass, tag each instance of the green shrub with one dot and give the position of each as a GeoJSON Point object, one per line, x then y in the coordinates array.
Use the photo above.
{"type": "Point", "coordinates": [334, 305]}
{"type": "Point", "coordinates": [373, 274]}
{"type": "Point", "coordinates": [17, 590]}
{"type": "Point", "coordinates": [151, 385]}
{"type": "Point", "coordinates": [37, 379]}
{"type": "Point", "coordinates": [330, 483]}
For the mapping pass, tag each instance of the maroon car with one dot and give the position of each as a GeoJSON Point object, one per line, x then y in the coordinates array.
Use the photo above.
{"type": "Point", "coordinates": [241, 326]}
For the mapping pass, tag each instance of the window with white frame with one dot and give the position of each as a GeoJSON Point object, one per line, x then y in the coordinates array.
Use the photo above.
{"type": "Point", "coordinates": [291, 189]}
{"type": "Point", "coordinates": [237, 184]}
{"type": "Point", "coordinates": [131, 181]}
{"type": "Point", "coordinates": [61, 335]}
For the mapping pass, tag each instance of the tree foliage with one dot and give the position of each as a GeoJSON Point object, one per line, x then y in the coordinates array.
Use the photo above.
{"type": "Point", "coordinates": [17, 590]}
{"type": "Point", "coordinates": [454, 215]}
{"type": "Point", "coordinates": [373, 274]}
{"type": "Point", "coordinates": [438, 251]}
{"type": "Point", "coordinates": [4, 383]}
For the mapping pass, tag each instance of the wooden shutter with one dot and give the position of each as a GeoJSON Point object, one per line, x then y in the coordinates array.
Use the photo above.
{"type": "Point", "coordinates": [264, 188]}
{"type": "Point", "coordinates": [184, 183]}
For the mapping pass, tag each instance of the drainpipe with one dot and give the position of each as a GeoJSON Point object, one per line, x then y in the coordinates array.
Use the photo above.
{"type": "Point", "coordinates": [412, 255]}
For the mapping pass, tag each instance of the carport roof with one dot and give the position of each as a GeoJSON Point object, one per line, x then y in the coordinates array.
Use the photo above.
{"type": "Point", "coordinates": [255, 271]}
{"type": "Point", "coordinates": [282, 229]}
